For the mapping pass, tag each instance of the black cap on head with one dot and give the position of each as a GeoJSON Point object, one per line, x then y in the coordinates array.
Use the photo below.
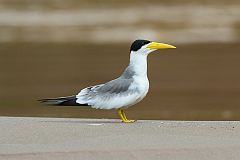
{"type": "Point", "coordinates": [137, 44]}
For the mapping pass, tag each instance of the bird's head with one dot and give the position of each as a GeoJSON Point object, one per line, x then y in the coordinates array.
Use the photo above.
{"type": "Point", "coordinates": [145, 47]}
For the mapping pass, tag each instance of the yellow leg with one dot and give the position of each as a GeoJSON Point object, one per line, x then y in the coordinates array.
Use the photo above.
{"type": "Point", "coordinates": [123, 117]}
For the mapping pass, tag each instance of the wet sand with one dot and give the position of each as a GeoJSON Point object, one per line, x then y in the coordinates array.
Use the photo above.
{"type": "Point", "coordinates": [193, 82]}
{"type": "Point", "coordinates": [66, 138]}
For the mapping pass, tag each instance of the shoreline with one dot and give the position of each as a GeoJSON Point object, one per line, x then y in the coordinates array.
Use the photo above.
{"type": "Point", "coordinates": [66, 138]}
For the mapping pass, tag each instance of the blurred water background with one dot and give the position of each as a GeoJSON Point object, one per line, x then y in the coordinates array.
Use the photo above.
{"type": "Point", "coordinates": [51, 48]}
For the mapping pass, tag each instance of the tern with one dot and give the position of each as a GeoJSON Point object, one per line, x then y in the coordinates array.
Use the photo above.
{"type": "Point", "coordinates": [128, 89]}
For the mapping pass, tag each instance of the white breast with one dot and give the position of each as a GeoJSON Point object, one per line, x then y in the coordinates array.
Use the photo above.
{"type": "Point", "coordinates": [140, 83]}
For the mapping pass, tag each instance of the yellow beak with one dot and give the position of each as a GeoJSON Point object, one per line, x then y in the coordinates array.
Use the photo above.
{"type": "Point", "coordinates": [155, 45]}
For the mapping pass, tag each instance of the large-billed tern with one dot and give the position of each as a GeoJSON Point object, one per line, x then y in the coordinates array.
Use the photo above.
{"type": "Point", "coordinates": [121, 93]}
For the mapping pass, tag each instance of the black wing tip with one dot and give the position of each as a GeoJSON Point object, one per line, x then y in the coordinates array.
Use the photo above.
{"type": "Point", "coordinates": [42, 100]}
{"type": "Point", "coordinates": [61, 101]}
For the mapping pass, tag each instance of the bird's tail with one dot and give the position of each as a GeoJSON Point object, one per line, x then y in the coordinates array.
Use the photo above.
{"type": "Point", "coordinates": [61, 101]}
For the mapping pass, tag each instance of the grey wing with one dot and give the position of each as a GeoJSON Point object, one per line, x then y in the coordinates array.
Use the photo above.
{"type": "Point", "coordinates": [104, 91]}
{"type": "Point", "coordinates": [119, 85]}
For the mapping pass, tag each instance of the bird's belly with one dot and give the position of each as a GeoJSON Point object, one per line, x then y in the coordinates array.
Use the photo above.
{"type": "Point", "coordinates": [137, 91]}
{"type": "Point", "coordinates": [116, 101]}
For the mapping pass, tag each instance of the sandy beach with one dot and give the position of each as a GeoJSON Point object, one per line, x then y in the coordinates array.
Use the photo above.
{"type": "Point", "coordinates": [69, 138]}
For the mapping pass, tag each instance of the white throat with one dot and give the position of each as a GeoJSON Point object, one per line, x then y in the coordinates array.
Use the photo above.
{"type": "Point", "coordinates": [138, 62]}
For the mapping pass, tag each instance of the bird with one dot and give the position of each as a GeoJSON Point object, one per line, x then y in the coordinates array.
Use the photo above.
{"type": "Point", "coordinates": [119, 94]}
